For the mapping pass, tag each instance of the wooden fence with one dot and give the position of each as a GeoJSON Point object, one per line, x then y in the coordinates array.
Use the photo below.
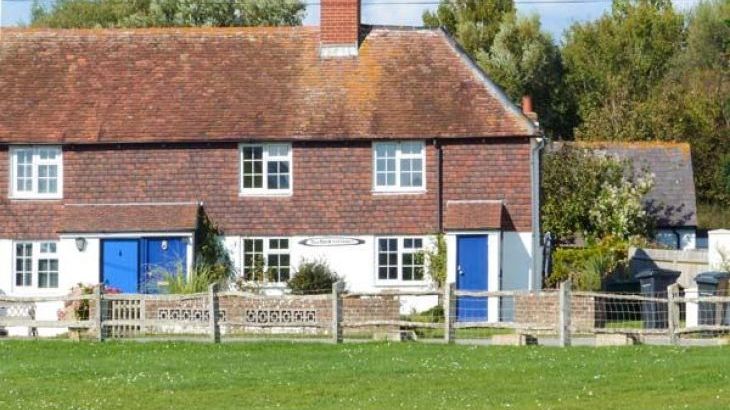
{"type": "Point", "coordinates": [559, 317]}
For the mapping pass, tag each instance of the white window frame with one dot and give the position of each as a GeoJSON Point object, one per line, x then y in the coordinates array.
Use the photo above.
{"type": "Point", "coordinates": [399, 155]}
{"type": "Point", "coordinates": [40, 251]}
{"type": "Point", "coordinates": [36, 162]}
{"type": "Point", "coordinates": [266, 250]}
{"type": "Point", "coordinates": [265, 158]}
{"type": "Point", "coordinates": [399, 281]}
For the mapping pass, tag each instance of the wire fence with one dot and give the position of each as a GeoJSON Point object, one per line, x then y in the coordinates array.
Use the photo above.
{"type": "Point", "coordinates": [553, 317]}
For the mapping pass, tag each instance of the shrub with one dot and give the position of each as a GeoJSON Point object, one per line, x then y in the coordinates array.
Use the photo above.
{"type": "Point", "coordinates": [313, 276]}
{"type": "Point", "coordinates": [201, 276]}
{"type": "Point", "coordinates": [437, 261]}
{"type": "Point", "coordinates": [590, 266]}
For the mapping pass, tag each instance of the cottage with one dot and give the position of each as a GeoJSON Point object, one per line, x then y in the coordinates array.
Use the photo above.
{"type": "Point", "coordinates": [351, 143]}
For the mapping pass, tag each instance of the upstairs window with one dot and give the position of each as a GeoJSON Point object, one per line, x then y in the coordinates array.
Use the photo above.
{"type": "Point", "coordinates": [399, 166]}
{"type": "Point", "coordinates": [36, 264]}
{"type": "Point", "coordinates": [36, 172]}
{"type": "Point", "coordinates": [266, 169]}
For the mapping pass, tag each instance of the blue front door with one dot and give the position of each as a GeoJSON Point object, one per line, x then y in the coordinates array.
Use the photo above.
{"type": "Point", "coordinates": [162, 257]}
{"type": "Point", "coordinates": [471, 274]}
{"type": "Point", "coordinates": [120, 264]}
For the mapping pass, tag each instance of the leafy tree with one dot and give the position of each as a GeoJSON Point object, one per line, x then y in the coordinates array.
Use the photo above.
{"type": "Point", "coordinates": [691, 103]}
{"type": "Point", "coordinates": [166, 13]}
{"type": "Point", "coordinates": [613, 63]}
{"type": "Point", "coordinates": [592, 195]}
{"type": "Point", "coordinates": [524, 60]}
{"type": "Point", "coordinates": [474, 23]}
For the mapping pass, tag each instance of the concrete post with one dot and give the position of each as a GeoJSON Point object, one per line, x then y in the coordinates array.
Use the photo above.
{"type": "Point", "coordinates": [565, 313]}
{"type": "Point", "coordinates": [449, 313]}
{"type": "Point", "coordinates": [98, 313]}
{"type": "Point", "coordinates": [337, 289]}
{"type": "Point", "coordinates": [215, 331]}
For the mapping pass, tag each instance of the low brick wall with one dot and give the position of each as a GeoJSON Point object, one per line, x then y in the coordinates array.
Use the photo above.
{"type": "Point", "coordinates": [276, 314]}
{"type": "Point", "coordinates": [369, 308]}
{"type": "Point", "coordinates": [542, 309]}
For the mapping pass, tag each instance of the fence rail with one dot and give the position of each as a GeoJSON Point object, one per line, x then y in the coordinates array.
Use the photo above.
{"type": "Point", "coordinates": [449, 315]}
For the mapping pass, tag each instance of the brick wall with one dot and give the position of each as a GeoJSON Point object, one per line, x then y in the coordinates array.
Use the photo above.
{"type": "Point", "coordinates": [332, 187]}
{"type": "Point", "coordinates": [543, 309]}
{"type": "Point", "coordinates": [339, 21]}
{"type": "Point", "coordinates": [491, 170]}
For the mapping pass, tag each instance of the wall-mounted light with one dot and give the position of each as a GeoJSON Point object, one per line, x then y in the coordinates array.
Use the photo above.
{"type": "Point", "coordinates": [81, 244]}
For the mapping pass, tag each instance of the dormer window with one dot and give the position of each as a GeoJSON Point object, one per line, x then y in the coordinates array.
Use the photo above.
{"type": "Point", "coordinates": [36, 172]}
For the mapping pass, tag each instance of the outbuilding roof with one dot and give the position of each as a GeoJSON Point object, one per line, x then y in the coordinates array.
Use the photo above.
{"type": "Point", "coordinates": [199, 84]}
{"type": "Point", "coordinates": [672, 198]}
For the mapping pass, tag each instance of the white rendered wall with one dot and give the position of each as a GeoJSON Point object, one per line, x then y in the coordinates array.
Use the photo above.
{"type": "Point", "coordinates": [354, 263]}
{"type": "Point", "coordinates": [78, 266]}
{"type": "Point", "coordinates": [718, 242]}
{"type": "Point", "coordinates": [6, 266]}
{"type": "Point", "coordinates": [517, 263]}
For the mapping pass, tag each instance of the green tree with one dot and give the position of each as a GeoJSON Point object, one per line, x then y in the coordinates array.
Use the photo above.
{"type": "Point", "coordinates": [166, 13]}
{"type": "Point", "coordinates": [691, 102]}
{"type": "Point", "coordinates": [474, 23]}
{"type": "Point", "coordinates": [613, 64]}
{"type": "Point", "coordinates": [524, 60]}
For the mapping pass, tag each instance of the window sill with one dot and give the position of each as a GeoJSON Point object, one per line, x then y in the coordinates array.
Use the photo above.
{"type": "Point", "coordinates": [264, 194]}
{"type": "Point", "coordinates": [398, 192]}
{"type": "Point", "coordinates": [34, 198]}
{"type": "Point", "coordinates": [402, 284]}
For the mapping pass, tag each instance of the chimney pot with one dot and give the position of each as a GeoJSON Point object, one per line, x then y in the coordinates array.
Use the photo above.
{"type": "Point", "coordinates": [527, 104]}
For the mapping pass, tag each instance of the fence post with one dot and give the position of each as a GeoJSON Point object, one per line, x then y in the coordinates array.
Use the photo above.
{"type": "Point", "coordinates": [142, 315]}
{"type": "Point", "coordinates": [98, 313]}
{"type": "Point", "coordinates": [215, 331]}
{"type": "Point", "coordinates": [337, 289]}
{"type": "Point", "coordinates": [673, 313]}
{"type": "Point", "coordinates": [449, 312]}
{"type": "Point", "coordinates": [565, 313]}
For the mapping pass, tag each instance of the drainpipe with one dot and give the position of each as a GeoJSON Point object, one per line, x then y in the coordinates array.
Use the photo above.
{"type": "Point", "coordinates": [536, 149]}
{"type": "Point", "coordinates": [440, 183]}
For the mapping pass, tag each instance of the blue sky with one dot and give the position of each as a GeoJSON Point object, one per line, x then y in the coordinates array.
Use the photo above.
{"type": "Point", "coordinates": [555, 17]}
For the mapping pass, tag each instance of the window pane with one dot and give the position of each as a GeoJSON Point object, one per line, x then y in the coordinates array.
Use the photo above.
{"type": "Point", "coordinates": [273, 182]}
{"type": "Point", "coordinates": [284, 182]}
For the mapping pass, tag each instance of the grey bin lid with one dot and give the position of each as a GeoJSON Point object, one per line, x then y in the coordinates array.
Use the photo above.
{"type": "Point", "coordinates": [711, 278]}
{"type": "Point", "coordinates": [654, 273]}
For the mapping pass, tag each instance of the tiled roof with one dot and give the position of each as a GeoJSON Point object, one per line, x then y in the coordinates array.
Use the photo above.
{"type": "Point", "coordinates": [95, 218]}
{"type": "Point", "coordinates": [471, 215]}
{"type": "Point", "coordinates": [198, 84]}
{"type": "Point", "coordinates": [672, 199]}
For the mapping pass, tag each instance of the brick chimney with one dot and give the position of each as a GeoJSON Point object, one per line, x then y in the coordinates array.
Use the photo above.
{"type": "Point", "coordinates": [339, 22]}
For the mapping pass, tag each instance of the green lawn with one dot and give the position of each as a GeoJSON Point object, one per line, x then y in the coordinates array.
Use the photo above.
{"type": "Point", "coordinates": [59, 374]}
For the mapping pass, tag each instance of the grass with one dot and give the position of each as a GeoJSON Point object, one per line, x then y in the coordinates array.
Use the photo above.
{"type": "Point", "coordinates": [56, 374]}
